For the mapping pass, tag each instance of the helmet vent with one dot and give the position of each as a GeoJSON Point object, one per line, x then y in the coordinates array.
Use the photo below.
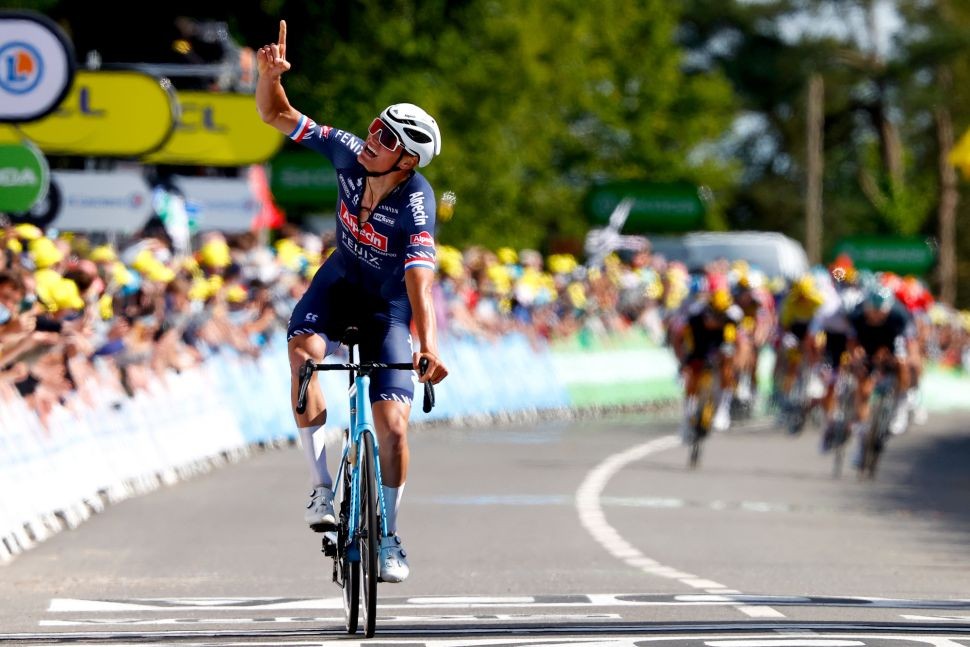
{"type": "Point", "coordinates": [417, 135]}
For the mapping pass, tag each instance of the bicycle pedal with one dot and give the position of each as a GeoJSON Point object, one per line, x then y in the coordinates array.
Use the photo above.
{"type": "Point", "coordinates": [330, 544]}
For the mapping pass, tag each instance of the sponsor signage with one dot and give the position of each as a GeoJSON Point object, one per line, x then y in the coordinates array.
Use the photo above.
{"type": "Point", "coordinates": [423, 238]}
{"type": "Point", "coordinates": [365, 234]}
{"type": "Point", "coordinates": [36, 65]}
{"type": "Point", "coordinates": [87, 201]}
{"type": "Point", "coordinates": [108, 114]}
{"type": "Point", "coordinates": [903, 255]}
{"type": "Point", "coordinates": [227, 204]}
{"type": "Point", "coordinates": [218, 130]}
{"type": "Point", "coordinates": [10, 135]}
{"type": "Point", "coordinates": [23, 177]}
{"type": "Point", "coordinates": [303, 178]}
{"type": "Point", "coordinates": [657, 207]}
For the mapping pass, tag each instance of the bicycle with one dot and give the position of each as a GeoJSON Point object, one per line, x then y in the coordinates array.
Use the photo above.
{"type": "Point", "coordinates": [361, 521]}
{"type": "Point", "coordinates": [708, 386]}
{"type": "Point", "coordinates": [881, 408]}
{"type": "Point", "coordinates": [844, 413]}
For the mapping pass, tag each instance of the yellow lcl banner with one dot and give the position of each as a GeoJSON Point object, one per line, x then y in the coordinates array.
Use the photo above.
{"type": "Point", "coordinates": [218, 130]}
{"type": "Point", "coordinates": [108, 113]}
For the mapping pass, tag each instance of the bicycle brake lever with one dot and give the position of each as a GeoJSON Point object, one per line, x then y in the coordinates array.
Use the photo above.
{"type": "Point", "coordinates": [306, 371]}
{"type": "Point", "coordinates": [428, 388]}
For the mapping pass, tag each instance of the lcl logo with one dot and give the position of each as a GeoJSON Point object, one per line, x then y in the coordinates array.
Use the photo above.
{"type": "Point", "coordinates": [199, 117]}
{"type": "Point", "coordinates": [84, 105]}
{"type": "Point", "coordinates": [21, 68]}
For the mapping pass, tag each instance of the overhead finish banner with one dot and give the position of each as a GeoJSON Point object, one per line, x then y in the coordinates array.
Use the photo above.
{"type": "Point", "coordinates": [218, 130]}
{"type": "Point", "coordinates": [118, 201]}
{"type": "Point", "coordinates": [223, 203]}
{"type": "Point", "coordinates": [36, 65]}
{"type": "Point", "coordinates": [108, 114]}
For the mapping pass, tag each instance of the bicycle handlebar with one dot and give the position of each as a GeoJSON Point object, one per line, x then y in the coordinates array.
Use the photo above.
{"type": "Point", "coordinates": [308, 368]}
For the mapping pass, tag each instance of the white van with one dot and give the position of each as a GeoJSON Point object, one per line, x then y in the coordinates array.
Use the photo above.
{"type": "Point", "coordinates": [775, 254]}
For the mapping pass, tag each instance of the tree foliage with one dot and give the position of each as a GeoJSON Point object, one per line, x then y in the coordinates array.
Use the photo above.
{"type": "Point", "coordinates": [535, 101]}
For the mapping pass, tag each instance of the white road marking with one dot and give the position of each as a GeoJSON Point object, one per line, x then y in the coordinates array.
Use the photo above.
{"type": "Point", "coordinates": [603, 637]}
{"type": "Point", "coordinates": [73, 605]}
{"type": "Point", "coordinates": [471, 600]}
{"type": "Point", "coordinates": [589, 506]}
{"type": "Point", "coordinates": [938, 618]}
{"type": "Point", "coordinates": [713, 597]}
{"type": "Point", "coordinates": [760, 612]}
{"type": "Point", "coordinates": [785, 642]}
{"type": "Point", "coordinates": [501, 617]}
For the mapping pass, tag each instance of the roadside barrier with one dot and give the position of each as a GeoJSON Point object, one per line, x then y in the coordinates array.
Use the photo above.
{"type": "Point", "coordinates": [89, 454]}
{"type": "Point", "coordinates": [54, 475]}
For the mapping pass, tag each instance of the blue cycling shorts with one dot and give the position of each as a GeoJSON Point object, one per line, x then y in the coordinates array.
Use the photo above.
{"type": "Point", "coordinates": [329, 306]}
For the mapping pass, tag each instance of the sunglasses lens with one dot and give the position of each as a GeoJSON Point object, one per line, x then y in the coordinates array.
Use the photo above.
{"type": "Point", "coordinates": [385, 135]}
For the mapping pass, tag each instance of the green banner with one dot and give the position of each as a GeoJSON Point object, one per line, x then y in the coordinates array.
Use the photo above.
{"type": "Point", "coordinates": [24, 177]}
{"type": "Point", "coordinates": [303, 178]}
{"type": "Point", "coordinates": [657, 207]}
{"type": "Point", "coordinates": [888, 253]}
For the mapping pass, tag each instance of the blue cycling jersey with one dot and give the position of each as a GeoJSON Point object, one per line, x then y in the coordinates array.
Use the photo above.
{"type": "Point", "coordinates": [397, 237]}
{"type": "Point", "coordinates": [362, 283]}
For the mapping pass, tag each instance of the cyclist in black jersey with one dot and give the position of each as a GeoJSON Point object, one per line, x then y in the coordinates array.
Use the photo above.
{"type": "Point", "coordinates": [879, 333]}
{"type": "Point", "coordinates": [379, 280]}
{"type": "Point", "coordinates": [703, 337]}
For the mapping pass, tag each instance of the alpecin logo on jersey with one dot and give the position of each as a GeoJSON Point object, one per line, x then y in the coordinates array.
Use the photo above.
{"type": "Point", "coordinates": [367, 234]}
{"type": "Point", "coordinates": [424, 238]}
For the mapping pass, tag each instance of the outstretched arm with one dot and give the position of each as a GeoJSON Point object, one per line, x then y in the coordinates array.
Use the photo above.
{"type": "Point", "coordinates": [271, 102]}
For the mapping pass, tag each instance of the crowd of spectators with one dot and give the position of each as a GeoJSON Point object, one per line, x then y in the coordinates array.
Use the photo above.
{"type": "Point", "coordinates": [80, 317]}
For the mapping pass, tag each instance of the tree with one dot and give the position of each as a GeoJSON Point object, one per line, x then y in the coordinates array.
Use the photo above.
{"type": "Point", "coordinates": [535, 101]}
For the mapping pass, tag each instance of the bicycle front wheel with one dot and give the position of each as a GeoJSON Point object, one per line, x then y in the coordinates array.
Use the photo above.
{"type": "Point", "coordinates": [370, 534]}
{"type": "Point", "coordinates": [349, 571]}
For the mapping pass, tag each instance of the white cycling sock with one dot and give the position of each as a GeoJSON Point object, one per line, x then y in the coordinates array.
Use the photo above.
{"type": "Point", "coordinates": [392, 501]}
{"type": "Point", "coordinates": [319, 473]}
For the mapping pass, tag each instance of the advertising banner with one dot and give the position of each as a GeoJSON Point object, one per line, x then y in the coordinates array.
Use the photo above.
{"type": "Point", "coordinates": [218, 130]}
{"type": "Point", "coordinates": [303, 178]}
{"type": "Point", "coordinates": [36, 65]}
{"type": "Point", "coordinates": [657, 206]}
{"type": "Point", "coordinates": [108, 114]}
{"type": "Point", "coordinates": [900, 254]}
{"type": "Point", "coordinates": [85, 201]}
{"type": "Point", "coordinates": [223, 203]}
{"type": "Point", "coordinates": [23, 177]}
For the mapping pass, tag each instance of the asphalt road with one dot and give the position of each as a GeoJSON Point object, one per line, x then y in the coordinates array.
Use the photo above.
{"type": "Point", "coordinates": [590, 531]}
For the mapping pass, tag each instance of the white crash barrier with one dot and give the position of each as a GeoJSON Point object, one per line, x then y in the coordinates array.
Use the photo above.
{"type": "Point", "coordinates": [102, 446]}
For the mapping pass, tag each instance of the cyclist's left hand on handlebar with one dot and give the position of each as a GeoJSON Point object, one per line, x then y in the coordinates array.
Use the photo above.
{"type": "Point", "coordinates": [436, 371]}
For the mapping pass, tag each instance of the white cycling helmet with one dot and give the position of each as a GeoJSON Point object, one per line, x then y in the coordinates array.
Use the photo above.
{"type": "Point", "coordinates": [417, 130]}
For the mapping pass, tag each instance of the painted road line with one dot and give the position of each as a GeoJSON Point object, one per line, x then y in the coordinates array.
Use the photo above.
{"type": "Point", "coordinates": [628, 635]}
{"type": "Point", "coordinates": [760, 612]}
{"type": "Point", "coordinates": [785, 642]}
{"type": "Point", "coordinates": [589, 507]}
{"type": "Point", "coordinates": [74, 605]}
{"type": "Point", "coordinates": [493, 617]}
{"type": "Point", "coordinates": [938, 618]}
{"type": "Point", "coordinates": [713, 597]}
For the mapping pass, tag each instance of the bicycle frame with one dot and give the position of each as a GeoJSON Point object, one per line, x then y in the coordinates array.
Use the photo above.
{"type": "Point", "coordinates": [361, 422]}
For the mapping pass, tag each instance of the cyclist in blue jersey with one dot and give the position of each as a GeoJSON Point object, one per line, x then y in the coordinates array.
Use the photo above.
{"type": "Point", "coordinates": [379, 279]}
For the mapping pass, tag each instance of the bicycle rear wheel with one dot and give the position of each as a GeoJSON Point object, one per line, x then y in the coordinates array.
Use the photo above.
{"type": "Point", "coordinates": [349, 571]}
{"type": "Point", "coordinates": [370, 532]}
{"type": "Point", "coordinates": [881, 413]}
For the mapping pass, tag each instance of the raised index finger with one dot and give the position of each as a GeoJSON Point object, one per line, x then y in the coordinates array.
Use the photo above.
{"type": "Point", "coordinates": [282, 41]}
